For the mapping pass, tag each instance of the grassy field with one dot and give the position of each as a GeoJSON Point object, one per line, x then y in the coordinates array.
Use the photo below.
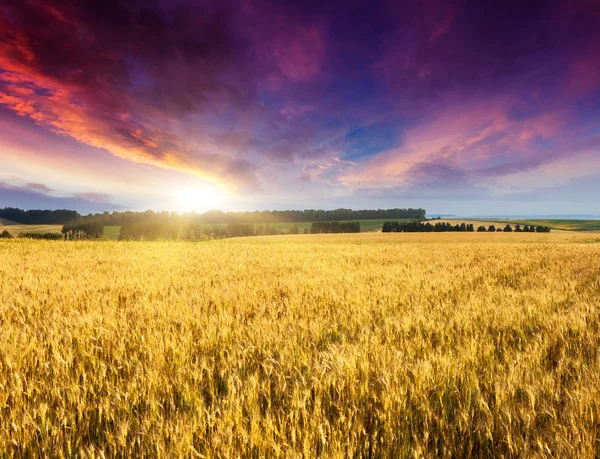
{"type": "Point", "coordinates": [369, 345]}
{"type": "Point", "coordinates": [375, 225]}
{"type": "Point", "coordinates": [112, 232]}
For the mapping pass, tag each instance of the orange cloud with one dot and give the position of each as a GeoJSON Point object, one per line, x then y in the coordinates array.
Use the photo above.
{"type": "Point", "coordinates": [99, 114]}
{"type": "Point", "coordinates": [122, 136]}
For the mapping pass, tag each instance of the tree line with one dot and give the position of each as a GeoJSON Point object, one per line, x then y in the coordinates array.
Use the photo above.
{"type": "Point", "coordinates": [334, 227]}
{"type": "Point", "coordinates": [82, 230]}
{"type": "Point", "coordinates": [518, 229]}
{"type": "Point", "coordinates": [441, 227]}
{"type": "Point", "coordinates": [423, 227]}
{"type": "Point", "coordinates": [255, 217]}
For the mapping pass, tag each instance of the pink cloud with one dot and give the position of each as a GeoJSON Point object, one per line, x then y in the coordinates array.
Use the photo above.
{"type": "Point", "coordinates": [468, 137]}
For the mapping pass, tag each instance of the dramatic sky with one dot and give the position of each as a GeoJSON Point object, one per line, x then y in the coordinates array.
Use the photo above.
{"type": "Point", "coordinates": [466, 107]}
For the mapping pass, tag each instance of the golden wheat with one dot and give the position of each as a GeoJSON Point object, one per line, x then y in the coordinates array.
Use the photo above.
{"type": "Point", "coordinates": [362, 345]}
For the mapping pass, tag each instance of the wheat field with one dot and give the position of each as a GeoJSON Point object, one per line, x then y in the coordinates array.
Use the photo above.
{"type": "Point", "coordinates": [370, 345]}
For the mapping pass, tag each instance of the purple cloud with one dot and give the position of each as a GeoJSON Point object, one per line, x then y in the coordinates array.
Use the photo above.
{"type": "Point", "coordinates": [259, 95]}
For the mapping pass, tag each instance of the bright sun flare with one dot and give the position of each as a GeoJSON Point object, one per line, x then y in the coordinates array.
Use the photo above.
{"type": "Point", "coordinates": [200, 198]}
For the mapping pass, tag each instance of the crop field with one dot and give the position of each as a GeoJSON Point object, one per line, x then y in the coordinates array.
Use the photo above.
{"type": "Point", "coordinates": [365, 345]}
{"type": "Point", "coordinates": [17, 228]}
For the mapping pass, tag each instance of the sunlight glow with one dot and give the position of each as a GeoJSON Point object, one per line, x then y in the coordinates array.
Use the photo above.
{"type": "Point", "coordinates": [199, 198]}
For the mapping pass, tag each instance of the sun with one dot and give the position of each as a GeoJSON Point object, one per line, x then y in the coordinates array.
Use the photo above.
{"type": "Point", "coordinates": [199, 198]}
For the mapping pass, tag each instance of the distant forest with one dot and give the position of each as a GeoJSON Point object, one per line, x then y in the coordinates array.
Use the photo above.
{"type": "Point", "coordinates": [39, 217]}
{"type": "Point", "coordinates": [62, 217]}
